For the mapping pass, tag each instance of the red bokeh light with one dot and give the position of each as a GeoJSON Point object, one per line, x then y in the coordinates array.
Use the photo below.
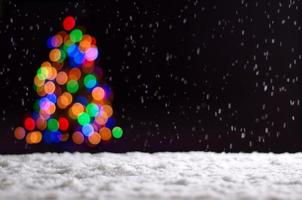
{"type": "Point", "coordinates": [29, 124]}
{"type": "Point", "coordinates": [68, 23]}
{"type": "Point", "coordinates": [63, 124]}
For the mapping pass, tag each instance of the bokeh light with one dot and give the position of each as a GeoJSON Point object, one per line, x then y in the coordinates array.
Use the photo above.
{"type": "Point", "coordinates": [91, 54]}
{"type": "Point", "coordinates": [19, 133]}
{"type": "Point", "coordinates": [87, 129]}
{"type": "Point", "coordinates": [29, 124]}
{"type": "Point", "coordinates": [61, 78]}
{"type": "Point", "coordinates": [92, 109]}
{"type": "Point", "coordinates": [90, 81]}
{"type": "Point", "coordinates": [117, 132]}
{"type": "Point", "coordinates": [52, 125]}
{"type": "Point", "coordinates": [94, 138]}
{"type": "Point", "coordinates": [55, 55]}
{"type": "Point", "coordinates": [105, 133]}
{"type": "Point", "coordinates": [72, 86]}
{"type": "Point", "coordinates": [34, 137]}
{"type": "Point", "coordinates": [77, 137]}
{"type": "Point", "coordinates": [83, 118]}
{"type": "Point", "coordinates": [75, 110]}
{"type": "Point", "coordinates": [63, 124]}
{"type": "Point", "coordinates": [68, 23]}
{"type": "Point", "coordinates": [76, 35]}
{"type": "Point", "coordinates": [98, 93]}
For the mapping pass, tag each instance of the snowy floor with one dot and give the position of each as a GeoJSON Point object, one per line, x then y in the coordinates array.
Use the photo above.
{"type": "Point", "coordinates": [193, 175]}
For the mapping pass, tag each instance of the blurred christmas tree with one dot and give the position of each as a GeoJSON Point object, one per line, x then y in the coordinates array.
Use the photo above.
{"type": "Point", "coordinates": [74, 104]}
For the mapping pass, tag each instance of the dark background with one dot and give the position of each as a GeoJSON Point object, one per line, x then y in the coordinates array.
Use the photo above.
{"type": "Point", "coordinates": [186, 75]}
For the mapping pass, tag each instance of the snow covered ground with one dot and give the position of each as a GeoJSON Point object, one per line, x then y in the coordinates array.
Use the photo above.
{"type": "Point", "coordinates": [191, 175]}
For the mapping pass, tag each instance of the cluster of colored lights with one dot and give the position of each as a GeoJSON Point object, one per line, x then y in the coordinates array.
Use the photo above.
{"type": "Point", "coordinates": [73, 105]}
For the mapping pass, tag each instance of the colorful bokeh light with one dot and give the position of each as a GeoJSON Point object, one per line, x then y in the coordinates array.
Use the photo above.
{"type": "Point", "coordinates": [74, 104]}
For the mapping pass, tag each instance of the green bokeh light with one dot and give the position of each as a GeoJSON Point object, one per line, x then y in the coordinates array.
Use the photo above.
{"type": "Point", "coordinates": [52, 125]}
{"type": "Point", "coordinates": [76, 35]}
{"type": "Point", "coordinates": [83, 118]}
{"type": "Point", "coordinates": [92, 109]}
{"type": "Point", "coordinates": [90, 81]}
{"type": "Point", "coordinates": [117, 132]}
{"type": "Point", "coordinates": [42, 73]}
{"type": "Point", "coordinates": [72, 86]}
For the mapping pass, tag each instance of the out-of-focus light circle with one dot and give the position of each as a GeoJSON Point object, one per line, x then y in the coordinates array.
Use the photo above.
{"type": "Point", "coordinates": [49, 87]}
{"type": "Point", "coordinates": [108, 109]}
{"type": "Point", "coordinates": [117, 132]}
{"type": "Point", "coordinates": [77, 137]}
{"type": "Point", "coordinates": [105, 133]}
{"type": "Point", "coordinates": [92, 53]}
{"type": "Point", "coordinates": [76, 35]}
{"type": "Point", "coordinates": [41, 123]}
{"type": "Point", "coordinates": [102, 118]}
{"type": "Point", "coordinates": [52, 125]}
{"type": "Point", "coordinates": [55, 55]}
{"type": "Point", "coordinates": [19, 133]}
{"type": "Point", "coordinates": [90, 81]}
{"type": "Point", "coordinates": [74, 74]}
{"type": "Point", "coordinates": [75, 110]}
{"type": "Point", "coordinates": [29, 124]}
{"type": "Point", "coordinates": [83, 118]}
{"type": "Point", "coordinates": [68, 23]}
{"type": "Point", "coordinates": [79, 58]}
{"type": "Point", "coordinates": [84, 44]}
{"type": "Point", "coordinates": [92, 109]}
{"type": "Point", "coordinates": [87, 129]}
{"type": "Point", "coordinates": [61, 78]}
{"type": "Point", "coordinates": [39, 82]}
{"type": "Point", "coordinates": [72, 86]}
{"type": "Point", "coordinates": [42, 73]}
{"type": "Point", "coordinates": [64, 100]}
{"type": "Point", "coordinates": [56, 40]}
{"type": "Point", "coordinates": [63, 124]}
{"type": "Point", "coordinates": [94, 138]}
{"type": "Point", "coordinates": [34, 137]}
{"type": "Point", "coordinates": [98, 93]}
{"type": "Point", "coordinates": [52, 97]}
{"type": "Point", "coordinates": [52, 73]}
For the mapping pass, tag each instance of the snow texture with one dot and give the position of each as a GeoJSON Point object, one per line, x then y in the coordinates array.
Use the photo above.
{"type": "Point", "coordinates": [190, 175]}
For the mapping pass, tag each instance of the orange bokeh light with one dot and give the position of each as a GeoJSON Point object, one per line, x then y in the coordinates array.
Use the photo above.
{"type": "Point", "coordinates": [77, 137]}
{"type": "Point", "coordinates": [55, 55]}
{"type": "Point", "coordinates": [102, 118]}
{"type": "Point", "coordinates": [62, 78]}
{"type": "Point", "coordinates": [98, 93]}
{"type": "Point", "coordinates": [94, 138]}
{"type": "Point", "coordinates": [64, 100]}
{"type": "Point", "coordinates": [108, 109]}
{"type": "Point", "coordinates": [49, 87]}
{"type": "Point", "coordinates": [74, 74]}
{"type": "Point", "coordinates": [105, 133]}
{"type": "Point", "coordinates": [34, 137]}
{"type": "Point", "coordinates": [19, 133]}
{"type": "Point", "coordinates": [75, 110]}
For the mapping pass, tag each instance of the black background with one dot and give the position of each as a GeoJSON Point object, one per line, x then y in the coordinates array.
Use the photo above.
{"type": "Point", "coordinates": [186, 75]}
